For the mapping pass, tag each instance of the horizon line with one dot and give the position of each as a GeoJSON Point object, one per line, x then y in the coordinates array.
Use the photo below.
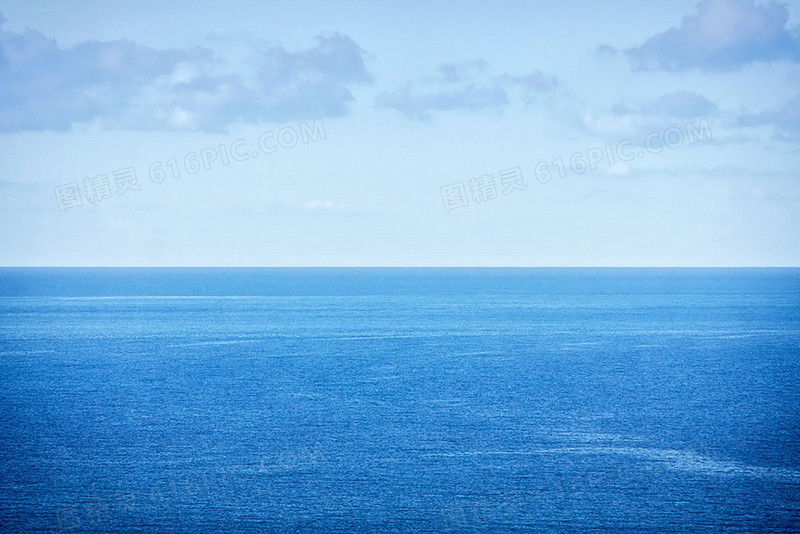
{"type": "Point", "coordinates": [399, 266]}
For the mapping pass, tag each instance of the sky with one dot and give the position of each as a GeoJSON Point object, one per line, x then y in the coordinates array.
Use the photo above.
{"type": "Point", "coordinates": [382, 133]}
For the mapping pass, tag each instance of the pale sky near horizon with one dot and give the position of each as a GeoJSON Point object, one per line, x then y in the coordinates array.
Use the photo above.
{"type": "Point", "coordinates": [379, 134]}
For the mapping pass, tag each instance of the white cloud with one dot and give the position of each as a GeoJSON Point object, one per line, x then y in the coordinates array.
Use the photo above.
{"type": "Point", "coordinates": [321, 205]}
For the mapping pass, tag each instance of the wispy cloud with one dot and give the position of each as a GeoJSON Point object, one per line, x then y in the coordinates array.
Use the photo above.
{"type": "Point", "coordinates": [605, 50]}
{"type": "Point", "coordinates": [472, 94]}
{"type": "Point", "coordinates": [785, 119]}
{"type": "Point", "coordinates": [459, 72]}
{"type": "Point", "coordinates": [321, 205]}
{"type": "Point", "coordinates": [533, 84]}
{"type": "Point", "coordinates": [419, 106]}
{"type": "Point", "coordinates": [679, 104]}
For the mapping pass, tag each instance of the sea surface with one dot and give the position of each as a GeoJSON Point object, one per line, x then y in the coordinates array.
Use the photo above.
{"type": "Point", "coordinates": [400, 400]}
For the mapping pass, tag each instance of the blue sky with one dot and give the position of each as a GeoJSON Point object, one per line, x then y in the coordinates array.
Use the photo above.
{"type": "Point", "coordinates": [380, 133]}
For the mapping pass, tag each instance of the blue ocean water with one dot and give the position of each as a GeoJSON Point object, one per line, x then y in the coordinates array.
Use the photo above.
{"type": "Point", "coordinates": [399, 400]}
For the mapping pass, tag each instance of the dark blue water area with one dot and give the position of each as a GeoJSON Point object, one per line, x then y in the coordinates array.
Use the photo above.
{"type": "Point", "coordinates": [399, 400]}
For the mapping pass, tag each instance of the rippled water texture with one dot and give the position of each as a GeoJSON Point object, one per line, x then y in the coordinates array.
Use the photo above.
{"type": "Point", "coordinates": [399, 400]}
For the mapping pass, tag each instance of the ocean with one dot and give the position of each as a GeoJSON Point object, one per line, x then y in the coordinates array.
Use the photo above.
{"type": "Point", "coordinates": [399, 400]}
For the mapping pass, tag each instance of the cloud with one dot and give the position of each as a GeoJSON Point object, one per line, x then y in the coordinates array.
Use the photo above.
{"type": "Point", "coordinates": [680, 104]}
{"type": "Point", "coordinates": [125, 85]}
{"type": "Point", "coordinates": [44, 86]}
{"type": "Point", "coordinates": [419, 106]}
{"type": "Point", "coordinates": [722, 171]}
{"type": "Point", "coordinates": [723, 35]}
{"type": "Point", "coordinates": [321, 205]}
{"type": "Point", "coordinates": [532, 84]}
{"type": "Point", "coordinates": [605, 50]}
{"type": "Point", "coordinates": [785, 119]}
{"type": "Point", "coordinates": [460, 72]}
{"type": "Point", "coordinates": [490, 92]}
{"type": "Point", "coordinates": [313, 82]}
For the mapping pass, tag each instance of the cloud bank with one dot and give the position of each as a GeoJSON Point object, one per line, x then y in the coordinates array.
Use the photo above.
{"type": "Point", "coordinates": [125, 85]}
{"type": "Point", "coordinates": [722, 35]}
